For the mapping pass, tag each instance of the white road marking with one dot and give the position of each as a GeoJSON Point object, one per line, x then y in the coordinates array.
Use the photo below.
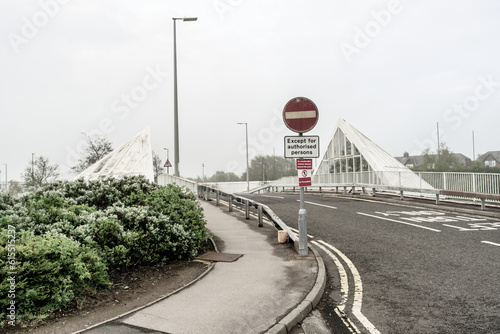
{"type": "Point", "coordinates": [297, 232]}
{"type": "Point", "coordinates": [344, 283]}
{"type": "Point", "coordinates": [358, 291]}
{"type": "Point", "coordinates": [400, 222]}
{"type": "Point", "coordinates": [490, 243]}
{"type": "Point", "coordinates": [271, 196]}
{"type": "Point", "coordinates": [317, 204]}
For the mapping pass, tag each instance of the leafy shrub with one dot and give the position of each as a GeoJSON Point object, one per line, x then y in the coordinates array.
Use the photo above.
{"type": "Point", "coordinates": [72, 233]}
{"type": "Point", "coordinates": [50, 272]}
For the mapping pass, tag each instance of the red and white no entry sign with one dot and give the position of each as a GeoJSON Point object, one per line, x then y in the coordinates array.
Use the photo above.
{"type": "Point", "coordinates": [300, 114]}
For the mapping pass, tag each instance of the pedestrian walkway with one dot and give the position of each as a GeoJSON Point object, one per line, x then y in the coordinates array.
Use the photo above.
{"type": "Point", "coordinates": [267, 285]}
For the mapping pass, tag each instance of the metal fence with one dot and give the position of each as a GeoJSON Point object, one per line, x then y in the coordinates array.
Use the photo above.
{"type": "Point", "coordinates": [488, 183]}
{"type": "Point", "coordinates": [471, 182]}
{"type": "Point", "coordinates": [165, 179]}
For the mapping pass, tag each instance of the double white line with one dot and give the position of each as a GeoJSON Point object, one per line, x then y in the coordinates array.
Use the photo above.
{"type": "Point", "coordinates": [344, 286]}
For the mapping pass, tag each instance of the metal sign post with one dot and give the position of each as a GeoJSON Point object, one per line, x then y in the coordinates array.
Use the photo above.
{"type": "Point", "coordinates": [303, 251]}
{"type": "Point", "coordinates": [301, 115]}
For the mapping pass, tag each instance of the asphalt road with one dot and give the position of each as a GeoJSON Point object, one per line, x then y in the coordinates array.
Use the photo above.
{"type": "Point", "coordinates": [421, 269]}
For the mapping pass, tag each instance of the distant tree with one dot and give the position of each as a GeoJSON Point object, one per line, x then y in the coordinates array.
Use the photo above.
{"type": "Point", "coordinates": [97, 148]}
{"type": "Point", "coordinates": [40, 172]}
{"type": "Point", "coordinates": [441, 161]}
{"type": "Point", "coordinates": [157, 166]}
{"type": "Point", "coordinates": [480, 167]}
{"type": "Point", "coordinates": [14, 188]}
{"type": "Point", "coordinates": [270, 167]}
{"type": "Point", "coordinates": [221, 176]}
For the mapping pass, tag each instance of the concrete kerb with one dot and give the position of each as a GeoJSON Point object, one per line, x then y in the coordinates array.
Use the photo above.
{"type": "Point", "coordinates": [210, 267]}
{"type": "Point", "coordinates": [312, 299]}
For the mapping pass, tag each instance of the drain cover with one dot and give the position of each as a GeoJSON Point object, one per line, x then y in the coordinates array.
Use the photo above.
{"type": "Point", "coordinates": [219, 257]}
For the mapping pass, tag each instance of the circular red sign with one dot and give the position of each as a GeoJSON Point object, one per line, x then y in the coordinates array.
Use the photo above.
{"type": "Point", "coordinates": [300, 114]}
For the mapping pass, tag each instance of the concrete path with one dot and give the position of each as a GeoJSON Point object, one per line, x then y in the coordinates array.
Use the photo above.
{"type": "Point", "coordinates": [250, 295]}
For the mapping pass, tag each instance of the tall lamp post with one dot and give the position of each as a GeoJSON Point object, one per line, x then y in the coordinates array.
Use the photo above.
{"type": "Point", "coordinates": [246, 132]}
{"type": "Point", "coordinates": [176, 114]}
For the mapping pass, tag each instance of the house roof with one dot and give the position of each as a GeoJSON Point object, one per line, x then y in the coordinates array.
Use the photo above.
{"type": "Point", "coordinates": [418, 160]}
{"type": "Point", "coordinates": [493, 154]}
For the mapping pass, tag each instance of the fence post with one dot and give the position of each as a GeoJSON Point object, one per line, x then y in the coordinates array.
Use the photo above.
{"type": "Point", "coordinates": [247, 211]}
{"type": "Point", "coordinates": [217, 196]}
{"type": "Point", "coordinates": [260, 216]}
{"type": "Point", "coordinates": [230, 201]}
{"type": "Point", "coordinates": [207, 194]}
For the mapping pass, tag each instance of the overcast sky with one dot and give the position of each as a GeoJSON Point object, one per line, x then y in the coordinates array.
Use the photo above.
{"type": "Point", "coordinates": [392, 69]}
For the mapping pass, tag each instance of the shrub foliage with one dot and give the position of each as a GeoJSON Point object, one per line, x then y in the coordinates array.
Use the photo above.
{"type": "Point", "coordinates": [70, 235]}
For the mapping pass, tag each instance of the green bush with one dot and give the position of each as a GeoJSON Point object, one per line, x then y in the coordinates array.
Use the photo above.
{"type": "Point", "coordinates": [49, 272]}
{"type": "Point", "coordinates": [72, 233]}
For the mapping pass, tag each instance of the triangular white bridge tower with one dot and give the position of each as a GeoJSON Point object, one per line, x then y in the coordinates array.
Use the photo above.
{"type": "Point", "coordinates": [133, 158]}
{"type": "Point", "coordinates": [352, 157]}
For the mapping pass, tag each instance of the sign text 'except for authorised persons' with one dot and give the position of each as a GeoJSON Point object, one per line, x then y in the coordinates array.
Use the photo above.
{"type": "Point", "coordinates": [301, 146]}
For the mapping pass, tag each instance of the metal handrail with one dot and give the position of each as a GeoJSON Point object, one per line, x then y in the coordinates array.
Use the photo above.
{"type": "Point", "coordinates": [262, 209]}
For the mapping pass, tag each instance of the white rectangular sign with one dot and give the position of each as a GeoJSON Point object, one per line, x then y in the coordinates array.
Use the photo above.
{"type": "Point", "coordinates": [301, 146]}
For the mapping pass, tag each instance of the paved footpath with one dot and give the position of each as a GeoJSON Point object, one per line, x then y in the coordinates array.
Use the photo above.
{"type": "Point", "coordinates": [250, 295]}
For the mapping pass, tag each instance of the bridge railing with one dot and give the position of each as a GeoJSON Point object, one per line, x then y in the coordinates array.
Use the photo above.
{"type": "Point", "coordinates": [207, 192]}
{"type": "Point", "coordinates": [458, 186]}
{"type": "Point", "coordinates": [164, 179]}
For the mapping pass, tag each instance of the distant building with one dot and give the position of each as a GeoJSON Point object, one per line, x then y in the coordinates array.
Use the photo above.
{"type": "Point", "coordinates": [490, 159]}
{"type": "Point", "coordinates": [412, 161]}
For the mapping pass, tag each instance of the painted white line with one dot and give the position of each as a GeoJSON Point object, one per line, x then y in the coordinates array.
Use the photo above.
{"type": "Point", "coordinates": [317, 204]}
{"type": "Point", "coordinates": [347, 322]}
{"type": "Point", "coordinates": [400, 222]}
{"type": "Point", "coordinates": [300, 114]}
{"type": "Point", "coordinates": [271, 196]}
{"type": "Point", "coordinates": [297, 231]}
{"type": "Point", "coordinates": [490, 243]}
{"type": "Point", "coordinates": [344, 283]}
{"type": "Point", "coordinates": [358, 291]}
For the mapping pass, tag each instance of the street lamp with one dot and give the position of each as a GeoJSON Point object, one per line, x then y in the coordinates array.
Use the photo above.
{"type": "Point", "coordinates": [246, 132]}
{"type": "Point", "coordinates": [176, 115]}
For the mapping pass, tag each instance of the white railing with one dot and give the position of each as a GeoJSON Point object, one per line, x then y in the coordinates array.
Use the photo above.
{"type": "Point", "coordinates": [164, 179]}
{"type": "Point", "coordinates": [488, 183]}
{"type": "Point", "coordinates": [234, 187]}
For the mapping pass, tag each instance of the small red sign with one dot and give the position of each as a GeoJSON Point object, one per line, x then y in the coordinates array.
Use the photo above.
{"type": "Point", "coordinates": [305, 179]}
{"type": "Point", "coordinates": [305, 182]}
{"type": "Point", "coordinates": [304, 164]}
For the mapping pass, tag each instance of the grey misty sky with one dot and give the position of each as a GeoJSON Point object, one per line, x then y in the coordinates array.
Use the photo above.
{"type": "Point", "coordinates": [392, 69]}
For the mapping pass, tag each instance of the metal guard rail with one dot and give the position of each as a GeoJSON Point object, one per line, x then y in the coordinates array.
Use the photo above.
{"type": "Point", "coordinates": [437, 192]}
{"type": "Point", "coordinates": [262, 209]}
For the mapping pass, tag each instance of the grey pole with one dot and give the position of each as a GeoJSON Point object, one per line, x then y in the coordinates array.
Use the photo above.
{"type": "Point", "coordinates": [246, 134]}
{"type": "Point", "coordinates": [176, 111]}
{"type": "Point", "coordinates": [303, 251]}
